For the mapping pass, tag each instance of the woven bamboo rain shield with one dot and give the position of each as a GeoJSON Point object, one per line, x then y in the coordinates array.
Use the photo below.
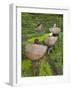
{"type": "Point", "coordinates": [54, 29]}
{"type": "Point", "coordinates": [50, 41]}
{"type": "Point", "coordinates": [35, 51]}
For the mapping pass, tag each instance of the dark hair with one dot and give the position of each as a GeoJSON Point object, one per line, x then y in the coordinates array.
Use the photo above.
{"type": "Point", "coordinates": [55, 34]}
{"type": "Point", "coordinates": [36, 41]}
{"type": "Point", "coordinates": [38, 24]}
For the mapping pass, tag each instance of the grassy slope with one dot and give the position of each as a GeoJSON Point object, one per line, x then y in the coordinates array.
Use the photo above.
{"type": "Point", "coordinates": [49, 65]}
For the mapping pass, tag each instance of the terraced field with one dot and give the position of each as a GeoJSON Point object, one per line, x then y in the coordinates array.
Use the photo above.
{"type": "Point", "coordinates": [51, 64]}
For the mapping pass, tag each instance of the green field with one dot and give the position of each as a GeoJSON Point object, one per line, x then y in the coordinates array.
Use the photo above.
{"type": "Point", "coordinates": [51, 64]}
